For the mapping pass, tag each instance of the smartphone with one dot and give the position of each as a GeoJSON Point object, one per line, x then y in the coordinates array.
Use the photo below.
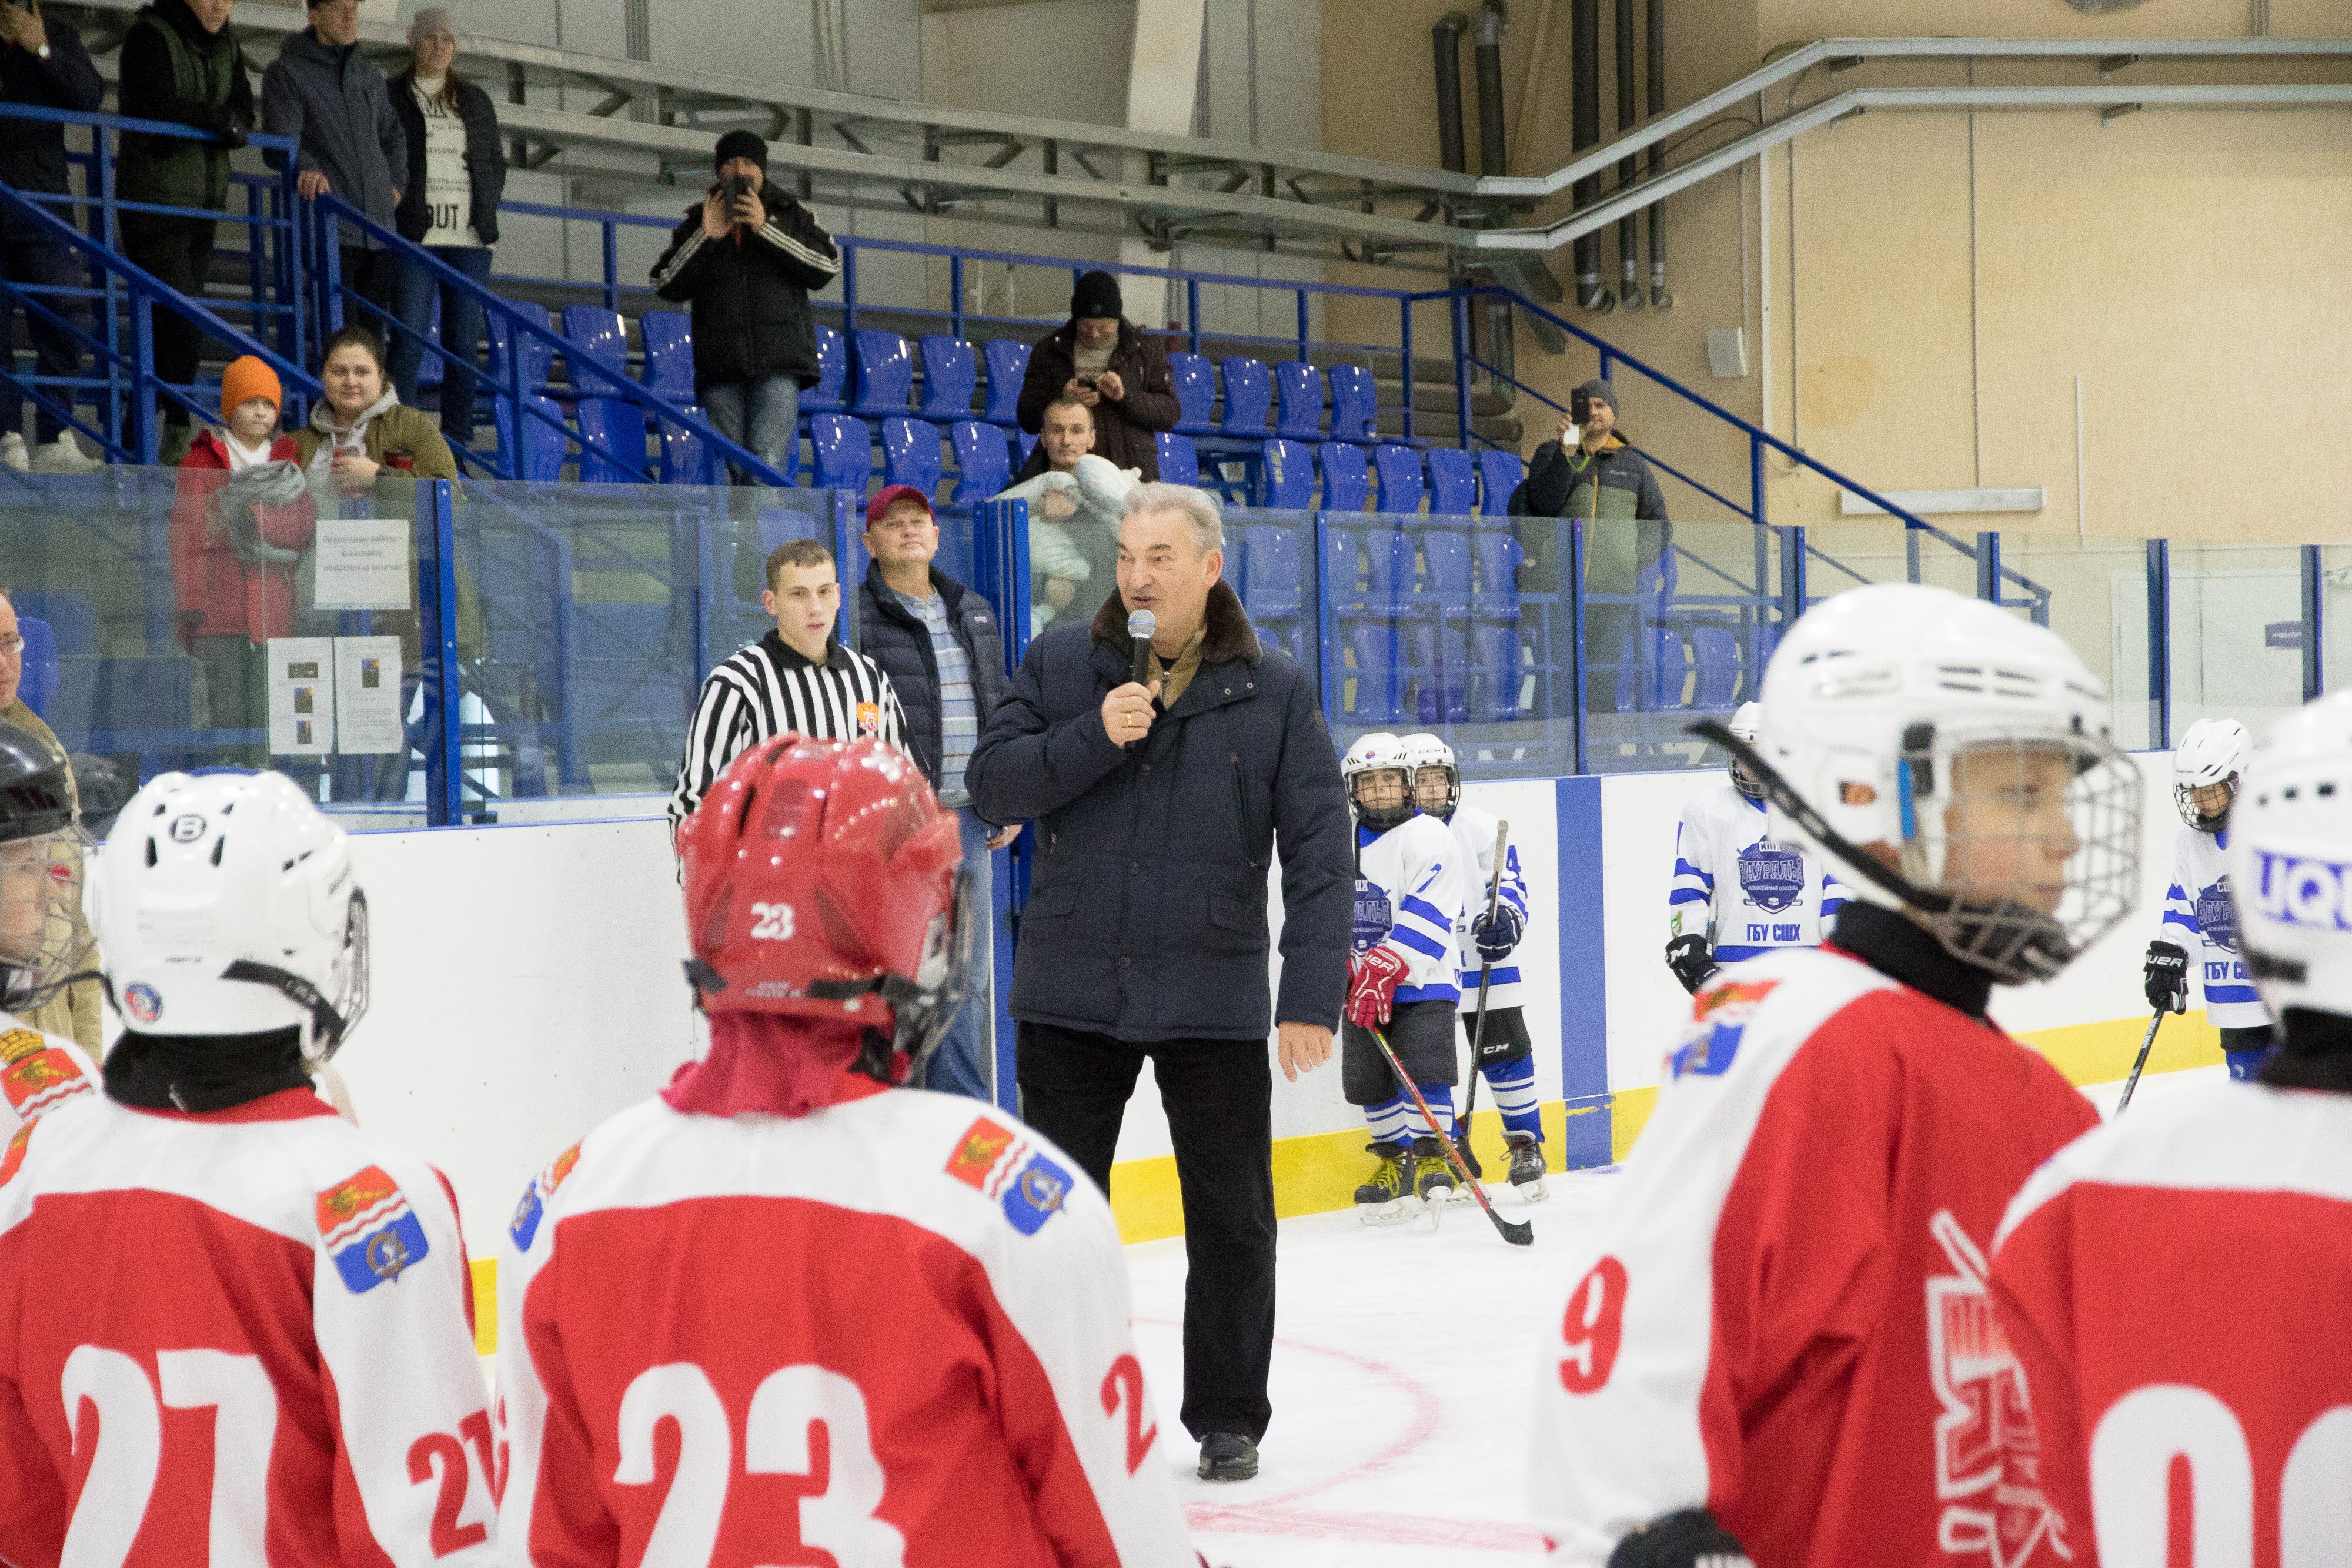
{"type": "Point", "coordinates": [1579, 407]}
{"type": "Point", "coordinates": [733, 188]}
{"type": "Point", "coordinates": [1083, 380]}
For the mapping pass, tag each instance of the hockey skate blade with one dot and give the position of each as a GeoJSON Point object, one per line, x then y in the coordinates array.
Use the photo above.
{"type": "Point", "coordinates": [1402, 1210]}
{"type": "Point", "coordinates": [1532, 1192]}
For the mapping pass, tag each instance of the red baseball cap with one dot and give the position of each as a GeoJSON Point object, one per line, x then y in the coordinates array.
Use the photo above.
{"type": "Point", "coordinates": [889, 493]}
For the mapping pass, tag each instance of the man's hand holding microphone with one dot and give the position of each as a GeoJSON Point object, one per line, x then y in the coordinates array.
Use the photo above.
{"type": "Point", "coordinates": [1128, 711]}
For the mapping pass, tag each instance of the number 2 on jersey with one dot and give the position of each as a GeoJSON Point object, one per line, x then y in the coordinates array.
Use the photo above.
{"type": "Point", "coordinates": [1124, 1386]}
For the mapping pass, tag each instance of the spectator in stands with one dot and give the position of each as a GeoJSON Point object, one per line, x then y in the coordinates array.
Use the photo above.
{"type": "Point", "coordinates": [1101, 360]}
{"type": "Point", "coordinates": [72, 1012]}
{"type": "Point", "coordinates": [457, 172]}
{"type": "Point", "coordinates": [1075, 506]}
{"type": "Point", "coordinates": [321, 92]}
{"type": "Point", "coordinates": [359, 430]}
{"type": "Point", "coordinates": [1587, 470]}
{"type": "Point", "coordinates": [179, 63]}
{"type": "Point", "coordinates": [743, 261]}
{"type": "Point", "coordinates": [939, 644]}
{"type": "Point", "coordinates": [243, 519]}
{"type": "Point", "coordinates": [42, 63]}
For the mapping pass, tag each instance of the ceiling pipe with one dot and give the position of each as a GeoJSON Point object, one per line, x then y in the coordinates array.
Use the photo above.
{"type": "Point", "coordinates": [1486, 49]}
{"type": "Point", "coordinates": [1446, 42]}
{"type": "Point", "coordinates": [1629, 227]}
{"type": "Point", "coordinates": [1654, 104]}
{"type": "Point", "coordinates": [1584, 114]}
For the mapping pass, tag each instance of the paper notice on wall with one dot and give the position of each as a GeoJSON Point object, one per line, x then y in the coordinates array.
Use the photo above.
{"type": "Point", "coordinates": [367, 696]}
{"type": "Point", "coordinates": [362, 564]}
{"type": "Point", "coordinates": [301, 696]}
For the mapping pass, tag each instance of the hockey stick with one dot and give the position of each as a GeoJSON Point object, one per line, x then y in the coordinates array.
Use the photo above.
{"type": "Point", "coordinates": [1485, 974]}
{"type": "Point", "coordinates": [1516, 1234]}
{"type": "Point", "coordinates": [2133, 1081]}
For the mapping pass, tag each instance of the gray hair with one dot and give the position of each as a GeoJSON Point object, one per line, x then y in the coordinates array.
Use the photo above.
{"type": "Point", "coordinates": [1200, 509]}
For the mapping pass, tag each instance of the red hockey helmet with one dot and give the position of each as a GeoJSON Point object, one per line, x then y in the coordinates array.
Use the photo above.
{"type": "Point", "coordinates": [822, 881]}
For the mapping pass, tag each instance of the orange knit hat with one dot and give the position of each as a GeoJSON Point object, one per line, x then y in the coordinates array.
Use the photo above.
{"type": "Point", "coordinates": [245, 379]}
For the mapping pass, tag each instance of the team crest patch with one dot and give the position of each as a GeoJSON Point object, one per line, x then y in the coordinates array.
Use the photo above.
{"type": "Point", "coordinates": [870, 719]}
{"type": "Point", "coordinates": [146, 1004]}
{"type": "Point", "coordinates": [1035, 1195]}
{"type": "Point", "coordinates": [370, 1230]}
{"type": "Point", "coordinates": [36, 1084]}
{"type": "Point", "coordinates": [1374, 915]}
{"type": "Point", "coordinates": [524, 1226]}
{"type": "Point", "coordinates": [1772, 875]}
{"type": "Point", "coordinates": [2217, 917]}
{"type": "Point", "coordinates": [19, 1044]}
{"type": "Point", "coordinates": [15, 1157]}
{"type": "Point", "coordinates": [976, 1154]}
{"type": "Point", "coordinates": [1718, 1018]}
{"type": "Point", "coordinates": [998, 1163]}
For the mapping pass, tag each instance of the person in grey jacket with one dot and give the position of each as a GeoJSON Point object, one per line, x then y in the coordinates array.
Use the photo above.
{"type": "Point", "coordinates": [1162, 779]}
{"type": "Point", "coordinates": [334, 105]}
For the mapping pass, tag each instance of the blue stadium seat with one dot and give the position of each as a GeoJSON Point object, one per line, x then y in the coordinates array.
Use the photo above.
{"type": "Point", "coordinates": [1289, 475]}
{"type": "Point", "coordinates": [832, 375]}
{"type": "Point", "coordinates": [430, 368]}
{"type": "Point", "coordinates": [70, 612]}
{"type": "Point", "coordinates": [950, 371]}
{"type": "Point", "coordinates": [1301, 388]}
{"type": "Point", "coordinates": [1499, 474]}
{"type": "Point", "coordinates": [591, 331]}
{"type": "Point", "coordinates": [983, 461]}
{"type": "Point", "coordinates": [1496, 674]}
{"type": "Point", "coordinates": [1715, 647]}
{"type": "Point", "coordinates": [1441, 667]}
{"type": "Point", "coordinates": [1179, 461]}
{"type": "Point", "coordinates": [1346, 485]}
{"type": "Point", "coordinates": [1445, 553]}
{"type": "Point", "coordinates": [1249, 397]}
{"type": "Point", "coordinates": [1399, 471]}
{"type": "Point", "coordinates": [1196, 392]}
{"type": "Point", "coordinates": [611, 442]}
{"type": "Point", "coordinates": [542, 444]}
{"type": "Point", "coordinates": [843, 450]}
{"type": "Point", "coordinates": [1390, 571]}
{"type": "Point", "coordinates": [538, 353]}
{"type": "Point", "coordinates": [1500, 555]}
{"type": "Point", "coordinates": [38, 685]}
{"type": "Point", "coordinates": [1341, 570]}
{"type": "Point", "coordinates": [1025, 444]}
{"type": "Point", "coordinates": [910, 454]}
{"type": "Point", "coordinates": [1378, 695]}
{"type": "Point", "coordinates": [885, 374]}
{"type": "Point", "coordinates": [1355, 404]}
{"type": "Point", "coordinates": [1008, 362]}
{"type": "Point", "coordinates": [782, 524]}
{"type": "Point", "coordinates": [687, 458]}
{"type": "Point", "coordinates": [1452, 483]}
{"type": "Point", "coordinates": [1273, 582]}
{"type": "Point", "coordinates": [669, 353]}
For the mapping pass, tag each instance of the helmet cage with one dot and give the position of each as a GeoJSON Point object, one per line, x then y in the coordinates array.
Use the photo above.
{"type": "Point", "coordinates": [1381, 818]}
{"type": "Point", "coordinates": [2184, 801]}
{"type": "Point", "coordinates": [923, 1005]}
{"type": "Point", "coordinates": [334, 1009]}
{"type": "Point", "coordinates": [33, 973]}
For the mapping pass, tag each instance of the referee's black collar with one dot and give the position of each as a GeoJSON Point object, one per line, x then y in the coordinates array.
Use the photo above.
{"type": "Point", "coordinates": [784, 656]}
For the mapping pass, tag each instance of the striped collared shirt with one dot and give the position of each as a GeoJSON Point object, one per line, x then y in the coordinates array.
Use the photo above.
{"type": "Point", "coordinates": [959, 708]}
{"type": "Point", "coordinates": [767, 689]}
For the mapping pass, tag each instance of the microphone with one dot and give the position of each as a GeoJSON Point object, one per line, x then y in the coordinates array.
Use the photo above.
{"type": "Point", "coordinates": [1140, 625]}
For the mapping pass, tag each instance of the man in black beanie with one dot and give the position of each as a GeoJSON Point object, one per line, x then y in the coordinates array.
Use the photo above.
{"type": "Point", "coordinates": [743, 261]}
{"type": "Point", "coordinates": [1100, 360]}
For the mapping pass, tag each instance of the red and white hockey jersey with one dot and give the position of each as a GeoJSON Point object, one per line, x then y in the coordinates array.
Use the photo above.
{"type": "Point", "coordinates": [2176, 1287]}
{"type": "Point", "coordinates": [239, 1337]}
{"type": "Point", "coordinates": [1780, 1316]}
{"type": "Point", "coordinates": [894, 1331]}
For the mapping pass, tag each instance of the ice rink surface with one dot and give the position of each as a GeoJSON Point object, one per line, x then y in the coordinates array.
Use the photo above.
{"type": "Point", "coordinates": [1404, 1357]}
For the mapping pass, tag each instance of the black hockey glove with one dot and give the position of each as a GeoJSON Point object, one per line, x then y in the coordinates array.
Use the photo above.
{"type": "Point", "coordinates": [1496, 937]}
{"type": "Point", "coordinates": [1687, 956]}
{"type": "Point", "coordinates": [1691, 1539]}
{"type": "Point", "coordinates": [2167, 977]}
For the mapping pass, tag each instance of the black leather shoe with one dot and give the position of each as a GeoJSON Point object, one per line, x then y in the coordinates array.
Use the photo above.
{"type": "Point", "coordinates": [1228, 1457]}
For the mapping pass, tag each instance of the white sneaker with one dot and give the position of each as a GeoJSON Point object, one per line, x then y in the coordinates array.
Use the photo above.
{"type": "Point", "coordinates": [13, 452]}
{"type": "Point", "coordinates": [63, 455]}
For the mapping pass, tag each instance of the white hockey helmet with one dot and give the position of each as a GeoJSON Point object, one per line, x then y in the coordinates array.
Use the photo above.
{"type": "Point", "coordinates": [1429, 757]}
{"type": "Point", "coordinates": [1871, 701]}
{"type": "Point", "coordinates": [1378, 752]}
{"type": "Point", "coordinates": [1747, 725]}
{"type": "Point", "coordinates": [224, 903]}
{"type": "Point", "coordinates": [2210, 754]}
{"type": "Point", "coordinates": [2290, 860]}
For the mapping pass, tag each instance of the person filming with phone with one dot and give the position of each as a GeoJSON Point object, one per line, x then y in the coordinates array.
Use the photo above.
{"type": "Point", "coordinates": [743, 262]}
{"type": "Point", "coordinates": [1100, 360]}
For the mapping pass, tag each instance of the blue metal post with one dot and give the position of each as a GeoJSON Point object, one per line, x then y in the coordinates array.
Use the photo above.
{"type": "Point", "coordinates": [1573, 589]}
{"type": "Point", "coordinates": [1305, 332]}
{"type": "Point", "coordinates": [1461, 313]}
{"type": "Point", "coordinates": [2160, 644]}
{"type": "Point", "coordinates": [955, 296]}
{"type": "Point", "coordinates": [1792, 575]}
{"type": "Point", "coordinates": [1987, 567]}
{"type": "Point", "coordinates": [1755, 485]}
{"type": "Point", "coordinates": [1404, 346]}
{"type": "Point", "coordinates": [2315, 667]}
{"type": "Point", "coordinates": [146, 439]}
{"type": "Point", "coordinates": [1193, 314]}
{"type": "Point", "coordinates": [849, 295]}
{"type": "Point", "coordinates": [1327, 657]}
{"type": "Point", "coordinates": [445, 793]}
{"type": "Point", "coordinates": [612, 267]}
{"type": "Point", "coordinates": [115, 294]}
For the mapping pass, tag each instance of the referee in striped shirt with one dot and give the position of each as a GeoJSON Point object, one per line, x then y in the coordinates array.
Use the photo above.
{"type": "Point", "coordinates": [797, 679]}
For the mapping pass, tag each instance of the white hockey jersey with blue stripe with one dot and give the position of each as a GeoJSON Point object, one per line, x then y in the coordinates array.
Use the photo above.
{"type": "Point", "coordinates": [1474, 842]}
{"type": "Point", "coordinates": [2198, 915]}
{"type": "Point", "coordinates": [1746, 893]}
{"type": "Point", "coordinates": [1409, 897]}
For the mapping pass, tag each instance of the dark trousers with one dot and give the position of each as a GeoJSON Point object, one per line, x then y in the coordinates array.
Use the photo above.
{"type": "Point", "coordinates": [374, 276]}
{"type": "Point", "coordinates": [1219, 1095]}
{"type": "Point", "coordinates": [461, 335]}
{"type": "Point", "coordinates": [28, 256]}
{"type": "Point", "coordinates": [180, 252]}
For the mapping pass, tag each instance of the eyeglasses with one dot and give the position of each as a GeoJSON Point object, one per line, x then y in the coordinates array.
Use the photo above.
{"type": "Point", "coordinates": [11, 646]}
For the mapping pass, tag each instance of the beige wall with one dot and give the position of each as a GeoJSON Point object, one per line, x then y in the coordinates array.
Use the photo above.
{"type": "Point", "coordinates": [1939, 280]}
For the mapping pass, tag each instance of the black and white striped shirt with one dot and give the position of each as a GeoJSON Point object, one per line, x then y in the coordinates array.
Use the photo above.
{"type": "Point", "coordinates": [767, 689]}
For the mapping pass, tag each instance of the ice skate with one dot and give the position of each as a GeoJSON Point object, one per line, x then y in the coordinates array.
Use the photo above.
{"type": "Point", "coordinates": [1388, 1197]}
{"type": "Point", "coordinates": [1526, 1165]}
{"type": "Point", "coordinates": [1432, 1177]}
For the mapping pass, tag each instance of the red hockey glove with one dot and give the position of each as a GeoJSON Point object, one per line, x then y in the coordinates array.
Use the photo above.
{"type": "Point", "coordinates": [1372, 978]}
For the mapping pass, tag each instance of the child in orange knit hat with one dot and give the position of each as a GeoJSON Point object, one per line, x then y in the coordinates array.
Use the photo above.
{"type": "Point", "coordinates": [250, 398]}
{"type": "Point", "coordinates": [242, 520]}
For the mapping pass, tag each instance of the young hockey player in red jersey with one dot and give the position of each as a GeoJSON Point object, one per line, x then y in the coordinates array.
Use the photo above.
{"type": "Point", "coordinates": [2160, 1280]}
{"type": "Point", "coordinates": [787, 1309]}
{"type": "Point", "coordinates": [234, 1328]}
{"type": "Point", "coordinates": [1778, 1338]}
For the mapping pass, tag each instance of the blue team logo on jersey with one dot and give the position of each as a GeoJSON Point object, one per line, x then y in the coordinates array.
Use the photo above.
{"type": "Point", "coordinates": [524, 1226]}
{"type": "Point", "coordinates": [2217, 917]}
{"type": "Point", "coordinates": [1035, 1195]}
{"type": "Point", "coordinates": [370, 1230]}
{"type": "Point", "coordinates": [1772, 875]}
{"type": "Point", "coordinates": [1374, 915]}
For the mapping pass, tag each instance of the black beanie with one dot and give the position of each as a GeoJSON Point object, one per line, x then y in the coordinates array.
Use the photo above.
{"type": "Point", "coordinates": [1601, 392]}
{"type": "Point", "coordinates": [741, 144]}
{"type": "Point", "coordinates": [1097, 295]}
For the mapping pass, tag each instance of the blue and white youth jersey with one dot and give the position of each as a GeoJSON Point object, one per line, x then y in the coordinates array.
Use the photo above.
{"type": "Point", "coordinates": [1474, 842]}
{"type": "Point", "coordinates": [2198, 915]}
{"type": "Point", "coordinates": [1744, 893]}
{"type": "Point", "coordinates": [1409, 897]}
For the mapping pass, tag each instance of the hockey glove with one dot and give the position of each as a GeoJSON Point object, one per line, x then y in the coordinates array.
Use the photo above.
{"type": "Point", "coordinates": [1687, 956]}
{"type": "Point", "coordinates": [1498, 934]}
{"type": "Point", "coordinates": [2167, 977]}
{"type": "Point", "coordinates": [1372, 979]}
{"type": "Point", "coordinates": [1691, 1539]}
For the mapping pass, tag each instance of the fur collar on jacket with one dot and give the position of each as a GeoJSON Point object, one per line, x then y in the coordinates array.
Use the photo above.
{"type": "Point", "coordinates": [1231, 636]}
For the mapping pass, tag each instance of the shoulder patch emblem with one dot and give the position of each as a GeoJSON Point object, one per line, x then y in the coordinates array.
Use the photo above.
{"type": "Point", "coordinates": [976, 1153]}
{"type": "Point", "coordinates": [996, 1162]}
{"type": "Point", "coordinates": [370, 1229]}
{"type": "Point", "coordinates": [36, 1082]}
{"type": "Point", "coordinates": [17, 1044]}
{"type": "Point", "coordinates": [15, 1157]}
{"type": "Point", "coordinates": [524, 1226]}
{"type": "Point", "coordinates": [1718, 1017]}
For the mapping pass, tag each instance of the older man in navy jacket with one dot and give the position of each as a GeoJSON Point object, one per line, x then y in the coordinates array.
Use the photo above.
{"type": "Point", "coordinates": [1161, 780]}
